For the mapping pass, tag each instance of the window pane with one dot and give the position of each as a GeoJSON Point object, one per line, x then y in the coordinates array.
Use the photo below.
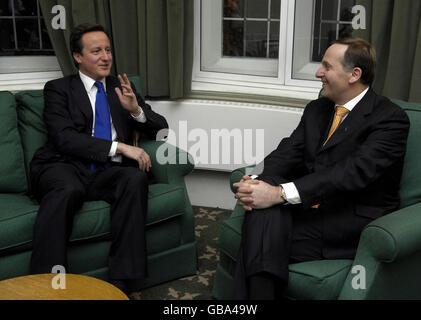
{"type": "Point", "coordinates": [274, 40]}
{"type": "Point", "coordinates": [329, 9]}
{"type": "Point", "coordinates": [327, 36]}
{"type": "Point", "coordinates": [346, 13]}
{"type": "Point", "coordinates": [345, 31]}
{"type": "Point", "coordinates": [275, 9]}
{"type": "Point", "coordinates": [256, 39]}
{"type": "Point", "coordinates": [329, 33]}
{"type": "Point", "coordinates": [46, 43]}
{"type": "Point", "coordinates": [235, 44]}
{"type": "Point", "coordinates": [325, 33]}
{"type": "Point", "coordinates": [5, 9]}
{"type": "Point", "coordinates": [28, 35]}
{"type": "Point", "coordinates": [7, 39]}
{"type": "Point", "coordinates": [22, 26]}
{"type": "Point", "coordinates": [25, 7]}
{"type": "Point", "coordinates": [248, 36]}
{"type": "Point", "coordinates": [233, 8]}
{"type": "Point", "coordinates": [233, 38]}
{"type": "Point", "coordinates": [257, 9]}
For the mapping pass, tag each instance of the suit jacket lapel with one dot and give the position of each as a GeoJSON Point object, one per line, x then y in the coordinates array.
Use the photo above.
{"type": "Point", "coordinates": [322, 122]}
{"type": "Point", "coordinates": [325, 121]}
{"type": "Point", "coordinates": [82, 100]}
{"type": "Point", "coordinates": [353, 121]}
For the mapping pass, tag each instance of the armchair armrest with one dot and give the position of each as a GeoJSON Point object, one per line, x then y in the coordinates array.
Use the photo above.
{"type": "Point", "coordinates": [394, 236]}
{"type": "Point", "coordinates": [390, 251]}
{"type": "Point", "coordinates": [173, 164]}
{"type": "Point", "coordinates": [237, 175]}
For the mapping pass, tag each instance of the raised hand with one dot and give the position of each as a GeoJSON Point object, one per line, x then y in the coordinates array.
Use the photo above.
{"type": "Point", "coordinates": [127, 97]}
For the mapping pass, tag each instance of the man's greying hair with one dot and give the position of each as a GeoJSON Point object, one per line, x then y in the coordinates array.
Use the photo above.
{"type": "Point", "coordinates": [360, 54]}
{"type": "Point", "coordinates": [76, 37]}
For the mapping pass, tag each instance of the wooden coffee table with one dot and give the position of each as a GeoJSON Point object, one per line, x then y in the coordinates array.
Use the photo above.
{"type": "Point", "coordinates": [40, 287]}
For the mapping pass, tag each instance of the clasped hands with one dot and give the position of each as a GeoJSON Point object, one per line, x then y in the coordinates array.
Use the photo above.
{"type": "Point", "coordinates": [256, 194]}
{"type": "Point", "coordinates": [129, 102]}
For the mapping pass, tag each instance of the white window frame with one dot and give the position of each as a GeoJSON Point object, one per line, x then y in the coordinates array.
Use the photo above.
{"type": "Point", "coordinates": [303, 68]}
{"type": "Point", "coordinates": [282, 85]}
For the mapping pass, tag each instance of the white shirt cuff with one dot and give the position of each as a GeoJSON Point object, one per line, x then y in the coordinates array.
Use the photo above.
{"type": "Point", "coordinates": [113, 149]}
{"type": "Point", "coordinates": [141, 117]}
{"type": "Point", "coordinates": [291, 193]}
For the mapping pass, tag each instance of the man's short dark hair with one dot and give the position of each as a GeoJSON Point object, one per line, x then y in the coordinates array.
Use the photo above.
{"type": "Point", "coordinates": [77, 34]}
{"type": "Point", "coordinates": [360, 54]}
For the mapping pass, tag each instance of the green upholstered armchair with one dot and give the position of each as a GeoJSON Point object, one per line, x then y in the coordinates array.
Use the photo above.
{"type": "Point", "coordinates": [388, 260]}
{"type": "Point", "coordinates": [170, 235]}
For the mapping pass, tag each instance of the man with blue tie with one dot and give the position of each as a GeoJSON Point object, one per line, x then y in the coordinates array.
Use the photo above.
{"type": "Point", "coordinates": [90, 118]}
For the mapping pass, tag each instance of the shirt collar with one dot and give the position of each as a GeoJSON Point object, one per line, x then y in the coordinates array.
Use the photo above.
{"type": "Point", "coordinates": [350, 105]}
{"type": "Point", "coordinates": [89, 83]}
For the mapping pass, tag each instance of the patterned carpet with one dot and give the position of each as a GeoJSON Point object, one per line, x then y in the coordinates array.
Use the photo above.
{"type": "Point", "coordinates": [199, 286]}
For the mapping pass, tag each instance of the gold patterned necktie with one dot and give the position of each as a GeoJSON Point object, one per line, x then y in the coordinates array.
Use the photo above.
{"type": "Point", "coordinates": [341, 112]}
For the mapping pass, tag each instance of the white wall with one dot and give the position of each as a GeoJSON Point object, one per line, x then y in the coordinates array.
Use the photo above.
{"type": "Point", "coordinates": [208, 185]}
{"type": "Point", "coordinates": [210, 189]}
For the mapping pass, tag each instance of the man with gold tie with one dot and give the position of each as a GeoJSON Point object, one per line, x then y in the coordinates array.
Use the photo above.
{"type": "Point", "coordinates": [339, 170]}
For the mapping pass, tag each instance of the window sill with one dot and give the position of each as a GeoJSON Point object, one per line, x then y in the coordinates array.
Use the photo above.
{"type": "Point", "coordinates": [263, 91]}
{"type": "Point", "coordinates": [27, 81]}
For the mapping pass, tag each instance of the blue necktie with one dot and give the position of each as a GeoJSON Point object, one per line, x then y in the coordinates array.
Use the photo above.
{"type": "Point", "coordinates": [102, 126]}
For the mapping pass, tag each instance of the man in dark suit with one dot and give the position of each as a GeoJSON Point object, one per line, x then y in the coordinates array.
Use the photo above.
{"type": "Point", "coordinates": [90, 118]}
{"type": "Point", "coordinates": [339, 170]}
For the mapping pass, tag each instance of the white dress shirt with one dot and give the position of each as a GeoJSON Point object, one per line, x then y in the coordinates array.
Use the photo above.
{"type": "Point", "coordinates": [92, 90]}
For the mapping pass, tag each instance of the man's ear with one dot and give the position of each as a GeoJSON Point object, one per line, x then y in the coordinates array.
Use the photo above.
{"type": "Point", "coordinates": [77, 57]}
{"type": "Point", "coordinates": [356, 75]}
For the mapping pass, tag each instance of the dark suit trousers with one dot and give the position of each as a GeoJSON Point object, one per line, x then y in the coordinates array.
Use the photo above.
{"type": "Point", "coordinates": [272, 239]}
{"type": "Point", "coordinates": [61, 191]}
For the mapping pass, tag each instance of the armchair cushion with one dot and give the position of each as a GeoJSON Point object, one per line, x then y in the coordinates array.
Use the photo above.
{"type": "Point", "coordinates": [317, 280]}
{"type": "Point", "coordinates": [410, 192]}
{"type": "Point", "coordinates": [31, 125]}
{"type": "Point", "coordinates": [18, 212]}
{"type": "Point", "coordinates": [12, 170]}
{"type": "Point", "coordinates": [309, 280]}
{"type": "Point", "coordinates": [230, 236]}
